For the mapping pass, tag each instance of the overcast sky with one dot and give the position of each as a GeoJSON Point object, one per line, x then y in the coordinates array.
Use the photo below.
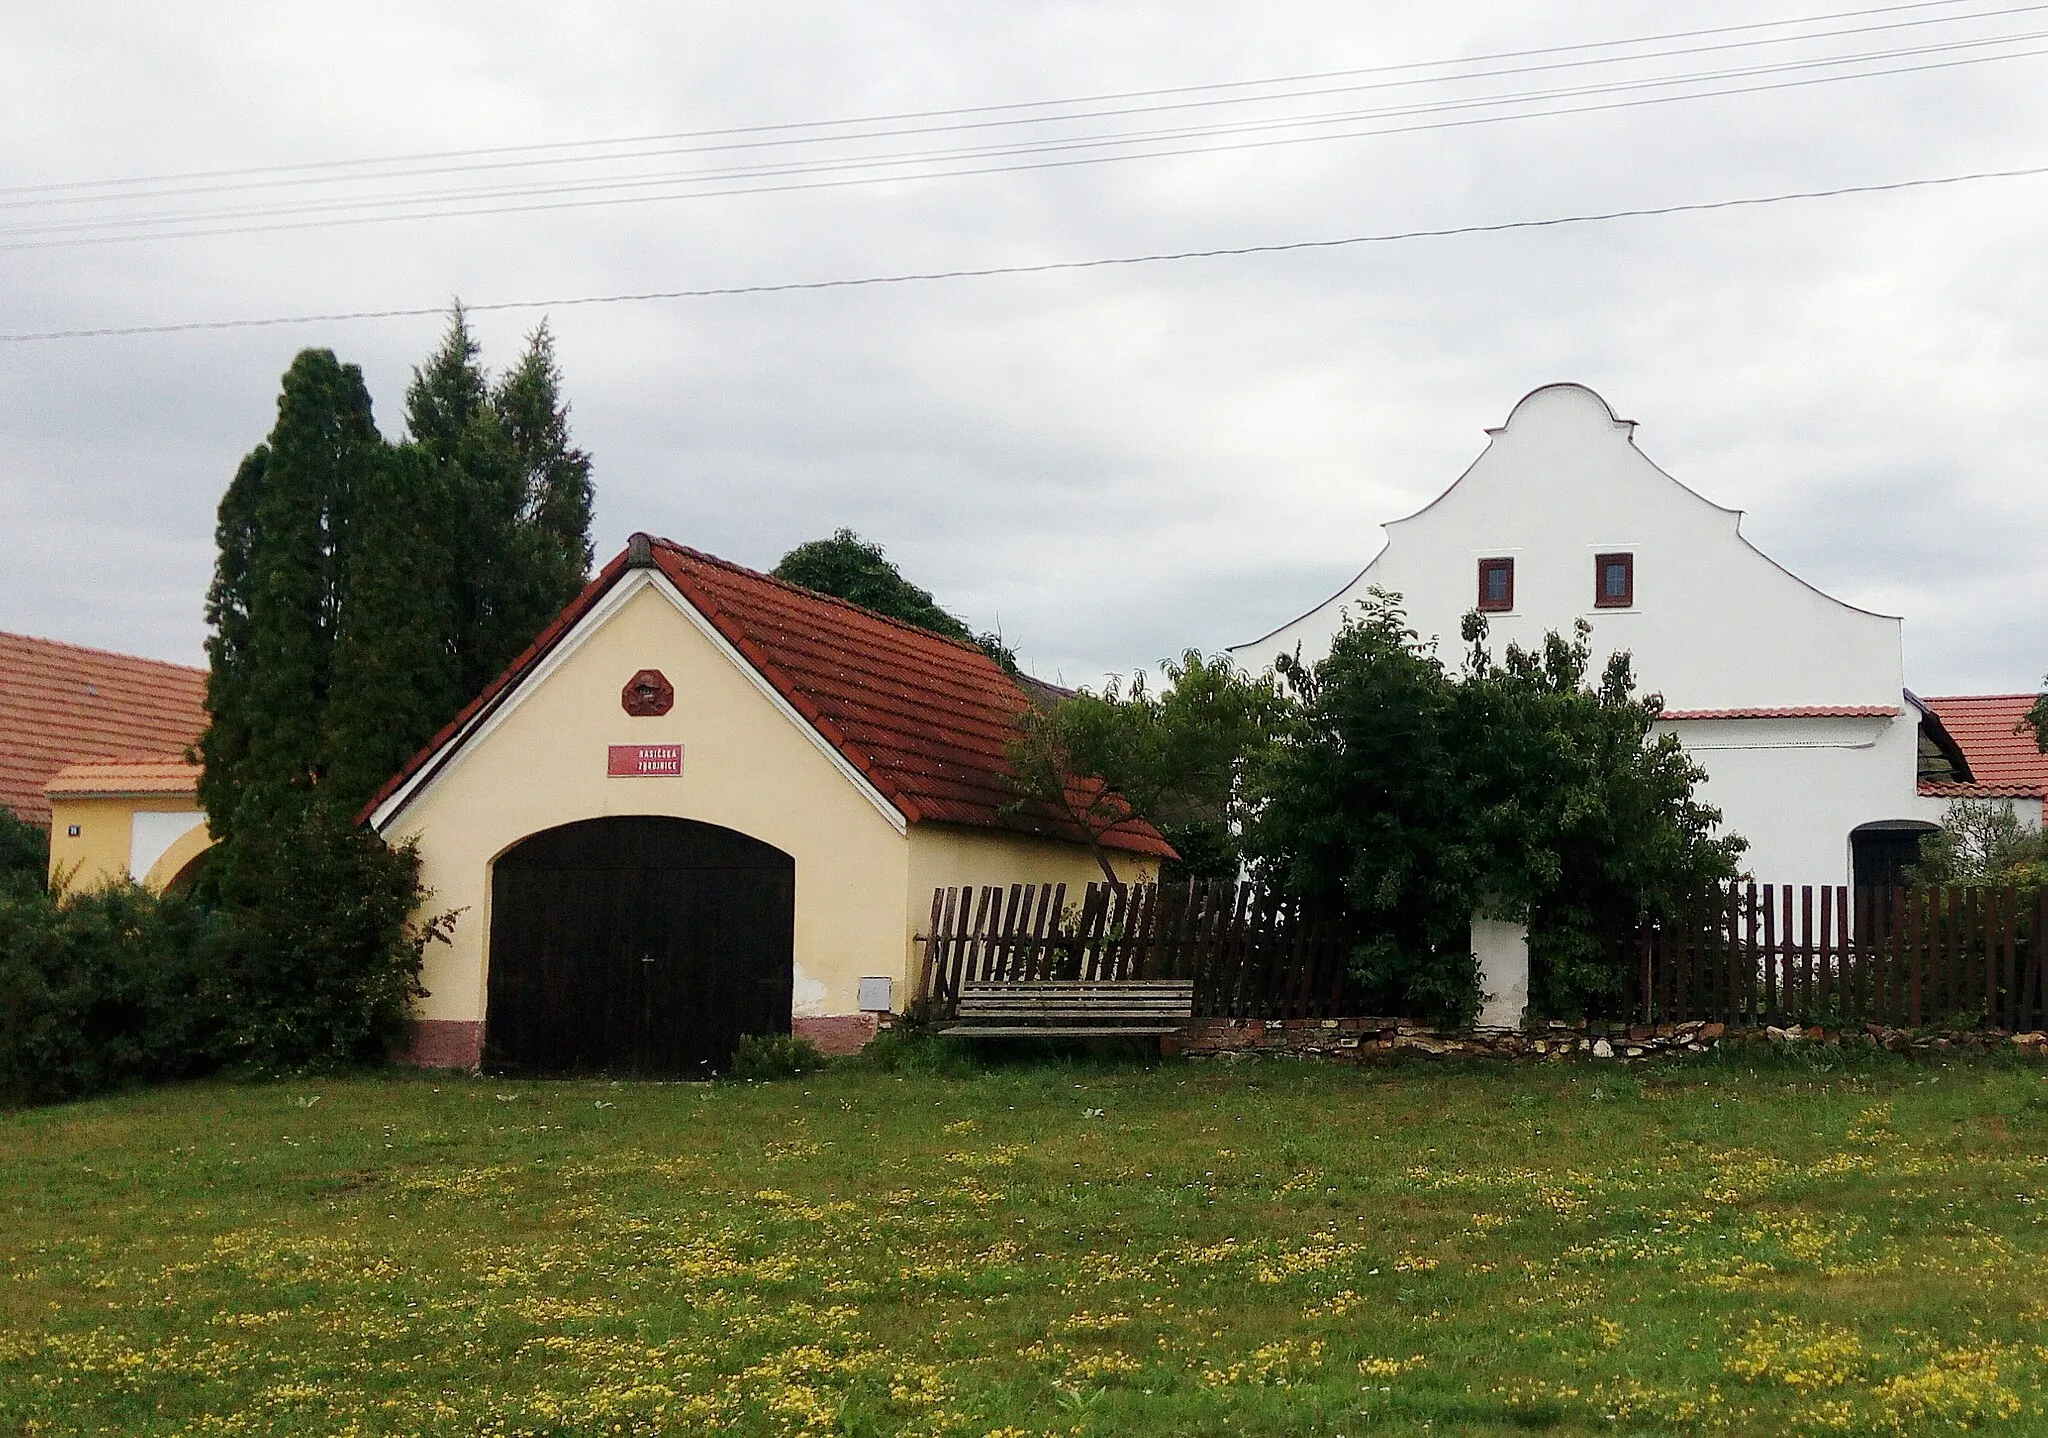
{"type": "Point", "coordinates": [1111, 464]}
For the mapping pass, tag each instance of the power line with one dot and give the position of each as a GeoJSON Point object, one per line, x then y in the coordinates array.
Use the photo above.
{"type": "Point", "coordinates": [70, 235]}
{"type": "Point", "coordinates": [43, 196]}
{"type": "Point", "coordinates": [1048, 267]}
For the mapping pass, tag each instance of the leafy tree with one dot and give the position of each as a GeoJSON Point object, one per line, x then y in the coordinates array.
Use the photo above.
{"type": "Point", "coordinates": [856, 570]}
{"type": "Point", "coordinates": [1981, 841]}
{"type": "Point", "coordinates": [1174, 757]}
{"type": "Point", "coordinates": [1363, 801]}
{"type": "Point", "coordinates": [24, 852]}
{"type": "Point", "coordinates": [1418, 798]}
{"type": "Point", "coordinates": [1589, 816]}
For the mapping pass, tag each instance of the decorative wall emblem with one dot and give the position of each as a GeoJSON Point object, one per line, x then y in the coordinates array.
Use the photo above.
{"type": "Point", "coordinates": [648, 694]}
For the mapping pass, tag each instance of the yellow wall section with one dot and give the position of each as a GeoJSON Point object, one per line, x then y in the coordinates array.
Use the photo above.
{"type": "Point", "coordinates": [745, 766]}
{"type": "Point", "coordinates": [106, 837]}
{"type": "Point", "coordinates": [99, 855]}
{"type": "Point", "coordinates": [946, 856]}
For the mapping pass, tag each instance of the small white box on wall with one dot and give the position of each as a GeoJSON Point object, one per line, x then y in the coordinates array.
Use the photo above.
{"type": "Point", "coordinates": [877, 996]}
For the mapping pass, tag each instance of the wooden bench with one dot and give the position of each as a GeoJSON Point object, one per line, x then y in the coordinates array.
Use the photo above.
{"type": "Point", "coordinates": [1115, 1008]}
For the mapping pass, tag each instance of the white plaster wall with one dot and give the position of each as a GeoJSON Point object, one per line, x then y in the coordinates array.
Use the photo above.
{"type": "Point", "coordinates": [1716, 624]}
{"type": "Point", "coordinates": [151, 834]}
{"type": "Point", "coordinates": [1796, 787]}
{"type": "Point", "coordinates": [1502, 952]}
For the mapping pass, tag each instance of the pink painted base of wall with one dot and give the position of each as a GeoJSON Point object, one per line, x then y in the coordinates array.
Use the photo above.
{"type": "Point", "coordinates": [459, 1043]}
{"type": "Point", "coordinates": [444, 1044]}
{"type": "Point", "coordinates": [837, 1034]}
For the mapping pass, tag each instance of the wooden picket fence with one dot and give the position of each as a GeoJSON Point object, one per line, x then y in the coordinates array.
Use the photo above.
{"type": "Point", "coordinates": [1963, 957]}
{"type": "Point", "coordinates": [1251, 953]}
{"type": "Point", "coordinates": [1755, 954]}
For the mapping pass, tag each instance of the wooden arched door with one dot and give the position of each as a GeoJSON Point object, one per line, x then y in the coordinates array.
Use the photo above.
{"type": "Point", "coordinates": [637, 945]}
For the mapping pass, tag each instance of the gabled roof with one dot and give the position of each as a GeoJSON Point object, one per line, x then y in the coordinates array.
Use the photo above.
{"type": "Point", "coordinates": [1991, 731]}
{"type": "Point", "coordinates": [111, 778]}
{"type": "Point", "coordinates": [61, 703]}
{"type": "Point", "coordinates": [922, 719]}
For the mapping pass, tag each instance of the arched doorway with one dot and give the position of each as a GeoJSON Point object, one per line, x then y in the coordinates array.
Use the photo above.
{"type": "Point", "coordinates": [637, 945]}
{"type": "Point", "coordinates": [1880, 853]}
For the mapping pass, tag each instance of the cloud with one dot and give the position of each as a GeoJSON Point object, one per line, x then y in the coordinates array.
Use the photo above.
{"type": "Point", "coordinates": [1114, 464]}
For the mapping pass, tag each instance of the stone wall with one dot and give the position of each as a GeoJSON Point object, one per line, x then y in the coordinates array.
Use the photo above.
{"type": "Point", "coordinates": [1381, 1040]}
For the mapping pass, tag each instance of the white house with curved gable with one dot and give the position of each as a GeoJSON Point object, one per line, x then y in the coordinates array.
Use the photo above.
{"type": "Point", "coordinates": [1792, 701]}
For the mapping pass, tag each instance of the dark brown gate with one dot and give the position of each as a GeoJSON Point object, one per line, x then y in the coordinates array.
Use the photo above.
{"type": "Point", "coordinates": [637, 945]}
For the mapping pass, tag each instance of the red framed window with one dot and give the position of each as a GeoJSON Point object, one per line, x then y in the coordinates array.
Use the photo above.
{"type": "Point", "coordinates": [1496, 584]}
{"type": "Point", "coordinates": [1614, 581]}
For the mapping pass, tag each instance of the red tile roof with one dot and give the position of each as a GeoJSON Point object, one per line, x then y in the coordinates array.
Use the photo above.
{"type": "Point", "coordinates": [924, 719]}
{"type": "Point", "coordinates": [119, 777]}
{"type": "Point", "coordinates": [1996, 789]}
{"type": "Point", "coordinates": [1988, 729]}
{"type": "Point", "coordinates": [1809, 711]}
{"type": "Point", "coordinates": [61, 703]}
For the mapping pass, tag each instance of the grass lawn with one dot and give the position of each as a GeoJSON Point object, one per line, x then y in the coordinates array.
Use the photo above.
{"type": "Point", "coordinates": [1750, 1245]}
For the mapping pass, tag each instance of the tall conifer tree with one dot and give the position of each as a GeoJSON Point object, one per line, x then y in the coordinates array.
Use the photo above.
{"type": "Point", "coordinates": [365, 591]}
{"type": "Point", "coordinates": [517, 493]}
{"type": "Point", "coordinates": [279, 593]}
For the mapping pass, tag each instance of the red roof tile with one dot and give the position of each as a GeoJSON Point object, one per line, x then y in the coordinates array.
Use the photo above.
{"type": "Point", "coordinates": [1996, 789]}
{"type": "Point", "coordinates": [1989, 731]}
{"type": "Point", "coordinates": [924, 719]}
{"type": "Point", "coordinates": [61, 703]}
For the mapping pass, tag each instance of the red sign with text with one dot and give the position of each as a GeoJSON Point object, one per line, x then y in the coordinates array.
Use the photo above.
{"type": "Point", "coordinates": [644, 761]}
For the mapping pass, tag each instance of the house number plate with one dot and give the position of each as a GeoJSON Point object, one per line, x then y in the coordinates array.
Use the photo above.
{"type": "Point", "coordinates": [644, 761]}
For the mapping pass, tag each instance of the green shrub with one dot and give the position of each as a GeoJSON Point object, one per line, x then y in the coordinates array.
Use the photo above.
{"type": "Point", "coordinates": [774, 1056]}
{"type": "Point", "coordinates": [117, 985]}
{"type": "Point", "coordinates": [24, 852]}
{"type": "Point", "coordinates": [102, 989]}
{"type": "Point", "coordinates": [321, 956]}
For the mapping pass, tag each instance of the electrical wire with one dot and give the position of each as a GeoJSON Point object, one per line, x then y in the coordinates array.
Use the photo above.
{"type": "Point", "coordinates": [1047, 267]}
{"type": "Point", "coordinates": [38, 196]}
{"type": "Point", "coordinates": [74, 233]}
{"type": "Point", "coordinates": [1103, 98]}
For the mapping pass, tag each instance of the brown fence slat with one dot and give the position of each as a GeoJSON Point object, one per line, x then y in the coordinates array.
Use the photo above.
{"type": "Point", "coordinates": [2035, 997]}
{"type": "Point", "coordinates": [2008, 1015]}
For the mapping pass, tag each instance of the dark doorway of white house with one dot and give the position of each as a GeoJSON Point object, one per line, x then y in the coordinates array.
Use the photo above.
{"type": "Point", "coordinates": [637, 945]}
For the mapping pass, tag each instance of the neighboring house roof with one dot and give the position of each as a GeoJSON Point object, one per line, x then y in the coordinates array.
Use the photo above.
{"type": "Point", "coordinates": [923, 719]}
{"type": "Point", "coordinates": [61, 703]}
{"type": "Point", "coordinates": [1998, 789]}
{"type": "Point", "coordinates": [1991, 731]}
{"type": "Point", "coordinates": [116, 778]}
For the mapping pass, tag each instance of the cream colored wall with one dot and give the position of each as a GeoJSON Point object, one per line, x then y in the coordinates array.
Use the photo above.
{"type": "Point", "coordinates": [948, 856]}
{"type": "Point", "coordinates": [99, 855]}
{"type": "Point", "coordinates": [746, 766]}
